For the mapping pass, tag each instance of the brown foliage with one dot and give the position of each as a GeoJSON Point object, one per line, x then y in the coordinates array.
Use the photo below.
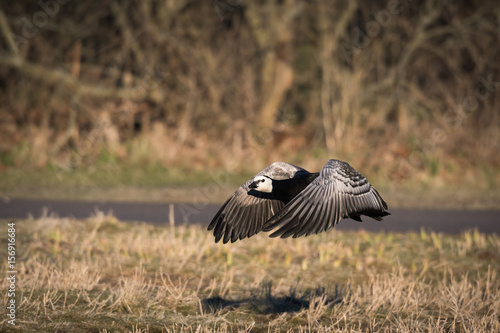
{"type": "Point", "coordinates": [384, 78]}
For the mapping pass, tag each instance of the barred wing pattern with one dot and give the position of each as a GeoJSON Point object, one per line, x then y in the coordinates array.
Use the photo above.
{"type": "Point", "coordinates": [245, 212]}
{"type": "Point", "coordinates": [338, 192]}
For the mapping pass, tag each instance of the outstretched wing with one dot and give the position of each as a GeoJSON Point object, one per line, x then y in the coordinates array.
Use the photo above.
{"type": "Point", "coordinates": [245, 212]}
{"type": "Point", "coordinates": [338, 192]}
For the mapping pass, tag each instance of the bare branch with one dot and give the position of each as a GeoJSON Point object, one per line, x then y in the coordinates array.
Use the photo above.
{"type": "Point", "coordinates": [59, 77]}
{"type": "Point", "coordinates": [7, 34]}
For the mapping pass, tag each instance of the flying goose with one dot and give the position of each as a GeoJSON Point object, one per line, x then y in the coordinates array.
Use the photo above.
{"type": "Point", "coordinates": [297, 202]}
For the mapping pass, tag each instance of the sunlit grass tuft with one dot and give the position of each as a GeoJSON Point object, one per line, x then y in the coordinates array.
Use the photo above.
{"type": "Point", "coordinates": [104, 275]}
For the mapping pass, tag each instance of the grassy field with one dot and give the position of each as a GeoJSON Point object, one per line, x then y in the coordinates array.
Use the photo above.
{"type": "Point", "coordinates": [103, 275]}
{"type": "Point", "coordinates": [155, 183]}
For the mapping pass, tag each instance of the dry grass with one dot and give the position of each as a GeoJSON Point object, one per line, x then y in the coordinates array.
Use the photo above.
{"type": "Point", "coordinates": [102, 275]}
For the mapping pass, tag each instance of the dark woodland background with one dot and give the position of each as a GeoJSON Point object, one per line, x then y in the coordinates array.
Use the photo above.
{"type": "Point", "coordinates": [402, 90]}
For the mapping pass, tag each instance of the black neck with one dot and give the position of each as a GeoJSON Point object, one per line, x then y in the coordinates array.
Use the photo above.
{"type": "Point", "coordinates": [288, 189]}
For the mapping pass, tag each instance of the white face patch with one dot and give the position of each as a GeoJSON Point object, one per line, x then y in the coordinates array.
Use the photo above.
{"type": "Point", "coordinates": [263, 184]}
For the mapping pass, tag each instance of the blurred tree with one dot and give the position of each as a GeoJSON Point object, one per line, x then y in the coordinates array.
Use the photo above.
{"type": "Point", "coordinates": [357, 76]}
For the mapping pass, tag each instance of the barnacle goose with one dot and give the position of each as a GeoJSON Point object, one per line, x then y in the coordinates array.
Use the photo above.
{"type": "Point", "coordinates": [296, 202]}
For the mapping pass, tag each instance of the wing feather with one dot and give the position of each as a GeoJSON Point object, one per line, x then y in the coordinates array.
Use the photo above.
{"type": "Point", "coordinates": [246, 210]}
{"type": "Point", "coordinates": [338, 192]}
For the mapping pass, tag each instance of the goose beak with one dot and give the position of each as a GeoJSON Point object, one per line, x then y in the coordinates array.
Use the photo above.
{"type": "Point", "coordinates": [253, 185]}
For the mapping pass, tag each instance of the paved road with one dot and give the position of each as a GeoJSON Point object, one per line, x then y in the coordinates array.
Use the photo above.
{"type": "Point", "coordinates": [401, 220]}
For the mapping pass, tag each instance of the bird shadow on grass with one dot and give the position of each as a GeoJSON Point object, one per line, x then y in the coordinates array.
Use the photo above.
{"type": "Point", "coordinates": [262, 301]}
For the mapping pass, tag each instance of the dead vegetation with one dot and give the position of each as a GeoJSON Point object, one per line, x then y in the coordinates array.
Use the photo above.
{"type": "Point", "coordinates": [405, 90]}
{"type": "Point", "coordinates": [103, 275]}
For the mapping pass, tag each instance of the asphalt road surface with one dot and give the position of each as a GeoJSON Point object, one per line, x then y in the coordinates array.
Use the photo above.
{"type": "Point", "coordinates": [400, 220]}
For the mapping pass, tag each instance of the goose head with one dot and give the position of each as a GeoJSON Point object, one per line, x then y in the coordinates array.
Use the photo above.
{"type": "Point", "coordinates": [262, 184]}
